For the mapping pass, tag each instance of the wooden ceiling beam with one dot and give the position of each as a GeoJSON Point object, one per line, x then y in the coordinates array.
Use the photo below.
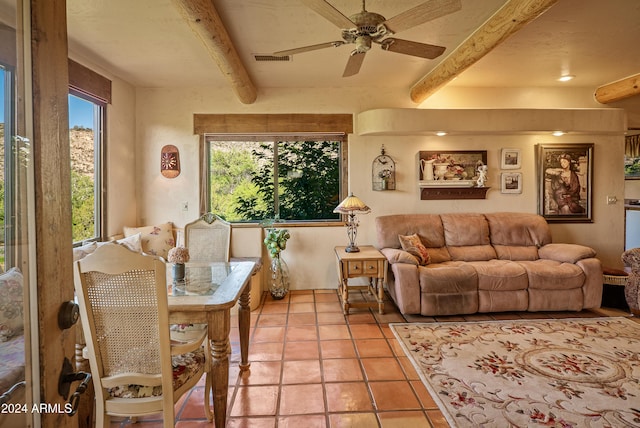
{"type": "Point", "coordinates": [514, 15]}
{"type": "Point", "coordinates": [204, 20]}
{"type": "Point", "coordinates": [618, 90]}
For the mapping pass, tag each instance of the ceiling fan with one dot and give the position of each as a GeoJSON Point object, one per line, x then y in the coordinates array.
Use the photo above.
{"type": "Point", "coordinates": [365, 28]}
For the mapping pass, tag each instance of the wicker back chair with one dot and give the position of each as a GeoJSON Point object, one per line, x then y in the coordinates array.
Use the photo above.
{"type": "Point", "coordinates": [125, 319]}
{"type": "Point", "coordinates": [208, 239]}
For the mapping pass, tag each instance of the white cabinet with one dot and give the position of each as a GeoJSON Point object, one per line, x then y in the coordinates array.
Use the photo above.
{"type": "Point", "coordinates": [632, 228]}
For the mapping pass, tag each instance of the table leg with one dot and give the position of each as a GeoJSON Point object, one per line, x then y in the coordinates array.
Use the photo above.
{"type": "Point", "coordinates": [244, 321]}
{"type": "Point", "coordinates": [345, 296]}
{"type": "Point", "coordinates": [219, 328]}
{"type": "Point", "coordinates": [380, 287]}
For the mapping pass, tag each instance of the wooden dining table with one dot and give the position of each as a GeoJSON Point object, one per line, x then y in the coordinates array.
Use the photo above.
{"type": "Point", "coordinates": [206, 296]}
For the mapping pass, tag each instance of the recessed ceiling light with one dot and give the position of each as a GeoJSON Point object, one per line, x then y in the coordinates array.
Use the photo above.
{"type": "Point", "coordinates": [441, 133]}
{"type": "Point", "coordinates": [566, 78]}
{"type": "Point", "coordinates": [558, 133]}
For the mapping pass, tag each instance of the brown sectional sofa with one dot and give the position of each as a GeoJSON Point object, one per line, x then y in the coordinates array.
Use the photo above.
{"type": "Point", "coordinates": [486, 263]}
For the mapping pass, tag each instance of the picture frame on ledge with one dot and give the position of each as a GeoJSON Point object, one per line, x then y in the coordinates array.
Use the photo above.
{"type": "Point", "coordinates": [511, 182]}
{"type": "Point", "coordinates": [565, 174]}
{"type": "Point", "coordinates": [453, 168]}
{"type": "Point", "coordinates": [510, 159]}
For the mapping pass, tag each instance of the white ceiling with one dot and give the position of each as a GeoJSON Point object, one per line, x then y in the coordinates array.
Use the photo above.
{"type": "Point", "coordinates": [148, 43]}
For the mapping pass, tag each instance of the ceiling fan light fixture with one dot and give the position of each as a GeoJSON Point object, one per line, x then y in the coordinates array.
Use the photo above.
{"type": "Point", "coordinates": [363, 44]}
{"type": "Point", "coordinates": [566, 77]}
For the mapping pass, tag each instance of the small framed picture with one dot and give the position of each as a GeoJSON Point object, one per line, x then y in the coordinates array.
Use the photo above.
{"type": "Point", "coordinates": [511, 182]}
{"type": "Point", "coordinates": [510, 159]}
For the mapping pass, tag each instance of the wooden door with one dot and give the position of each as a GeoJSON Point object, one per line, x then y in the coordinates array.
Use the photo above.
{"type": "Point", "coordinates": [52, 178]}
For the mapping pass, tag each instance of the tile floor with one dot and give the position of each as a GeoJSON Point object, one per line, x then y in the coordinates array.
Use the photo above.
{"type": "Point", "coordinates": [312, 366]}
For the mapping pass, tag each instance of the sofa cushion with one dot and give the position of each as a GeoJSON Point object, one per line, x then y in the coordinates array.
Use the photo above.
{"type": "Point", "coordinates": [500, 275]}
{"type": "Point", "coordinates": [568, 253]}
{"type": "Point", "coordinates": [412, 245]}
{"type": "Point", "coordinates": [553, 275]}
{"type": "Point", "coordinates": [472, 253]}
{"type": "Point", "coordinates": [516, 252]}
{"type": "Point", "coordinates": [462, 229]}
{"type": "Point", "coordinates": [11, 304]}
{"type": "Point", "coordinates": [518, 229]}
{"type": "Point", "coordinates": [448, 277]}
{"type": "Point", "coordinates": [398, 256]}
{"type": "Point", "coordinates": [448, 288]}
{"type": "Point", "coordinates": [427, 226]}
{"type": "Point", "coordinates": [467, 237]}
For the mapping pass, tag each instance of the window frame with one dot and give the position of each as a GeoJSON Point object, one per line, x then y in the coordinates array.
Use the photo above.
{"type": "Point", "coordinates": [282, 126]}
{"type": "Point", "coordinates": [99, 120]}
{"type": "Point", "coordinates": [275, 140]}
{"type": "Point", "coordinates": [10, 207]}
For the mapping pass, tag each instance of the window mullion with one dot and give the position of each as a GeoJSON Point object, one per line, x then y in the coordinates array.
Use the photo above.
{"type": "Point", "coordinates": [276, 192]}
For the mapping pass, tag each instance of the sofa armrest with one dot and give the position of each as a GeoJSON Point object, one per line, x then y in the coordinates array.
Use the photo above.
{"type": "Point", "coordinates": [395, 255]}
{"type": "Point", "coordinates": [567, 253]}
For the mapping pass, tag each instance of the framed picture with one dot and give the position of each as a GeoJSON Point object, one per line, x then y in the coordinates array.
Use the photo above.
{"type": "Point", "coordinates": [510, 159]}
{"type": "Point", "coordinates": [632, 155]}
{"type": "Point", "coordinates": [511, 182]}
{"type": "Point", "coordinates": [451, 167]}
{"type": "Point", "coordinates": [565, 173]}
{"type": "Point", "coordinates": [631, 168]}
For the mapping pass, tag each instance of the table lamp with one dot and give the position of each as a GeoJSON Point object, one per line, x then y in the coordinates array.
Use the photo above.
{"type": "Point", "coordinates": [350, 206]}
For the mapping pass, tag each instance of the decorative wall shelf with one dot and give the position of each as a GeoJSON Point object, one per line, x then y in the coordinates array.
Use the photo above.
{"type": "Point", "coordinates": [442, 193]}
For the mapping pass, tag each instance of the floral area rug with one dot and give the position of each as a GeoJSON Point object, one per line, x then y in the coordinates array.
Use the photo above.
{"type": "Point", "coordinates": [528, 373]}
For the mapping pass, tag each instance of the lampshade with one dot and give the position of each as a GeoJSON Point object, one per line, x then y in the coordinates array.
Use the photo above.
{"type": "Point", "coordinates": [352, 204]}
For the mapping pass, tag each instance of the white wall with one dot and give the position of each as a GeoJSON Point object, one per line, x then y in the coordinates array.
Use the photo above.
{"type": "Point", "coordinates": [164, 116]}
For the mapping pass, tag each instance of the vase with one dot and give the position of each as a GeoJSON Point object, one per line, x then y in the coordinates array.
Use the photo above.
{"type": "Point", "coordinates": [440, 170]}
{"type": "Point", "coordinates": [426, 166]}
{"type": "Point", "coordinates": [279, 286]}
{"type": "Point", "coordinates": [178, 272]}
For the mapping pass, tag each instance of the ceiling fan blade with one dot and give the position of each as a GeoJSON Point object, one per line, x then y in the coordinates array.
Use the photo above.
{"type": "Point", "coordinates": [330, 13]}
{"type": "Point", "coordinates": [309, 48]}
{"type": "Point", "coordinates": [354, 64]}
{"type": "Point", "coordinates": [408, 47]}
{"type": "Point", "coordinates": [422, 13]}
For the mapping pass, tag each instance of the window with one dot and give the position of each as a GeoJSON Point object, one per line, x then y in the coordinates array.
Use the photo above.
{"type": "Point", "coordinates": [85, 137]}
{"type": "Point", "coordinates": [289, 180]}
{"type": "Point", "coordinates": [6, 86]}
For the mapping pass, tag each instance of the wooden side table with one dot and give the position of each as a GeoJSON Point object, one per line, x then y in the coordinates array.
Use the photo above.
{"type": "Point", "coordinates": [369, 263]}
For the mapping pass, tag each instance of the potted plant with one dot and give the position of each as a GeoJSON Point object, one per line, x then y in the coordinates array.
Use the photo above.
{"type": "Point", "coordinates": [276, 241]}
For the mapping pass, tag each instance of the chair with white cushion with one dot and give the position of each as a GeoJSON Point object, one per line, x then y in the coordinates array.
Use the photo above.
{"type": "Point", "coordinates": [125, 320]}
{"type": "Point", "coordinates": [208, 239]}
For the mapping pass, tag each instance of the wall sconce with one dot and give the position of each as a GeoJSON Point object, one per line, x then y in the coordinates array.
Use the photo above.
{"type": "Point", "coordinates": [170, 161]}
{"type": "Point", "coordinates": [383, 172]}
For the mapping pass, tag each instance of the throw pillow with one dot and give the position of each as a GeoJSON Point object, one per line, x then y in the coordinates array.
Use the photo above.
{"type": "Point", "coordinates": [84, 250]}
{"type": "Point", "coordinates": [11, 310]}
{"type": "Point", "coordinates": [412, 245]}
{"type": "Point", "coordinates": [133, 242]}
{"type": "Point", "coordinates": [156, 240]}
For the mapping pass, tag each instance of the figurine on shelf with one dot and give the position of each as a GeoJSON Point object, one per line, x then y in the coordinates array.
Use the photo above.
{"type": "Point", "coordinates": [482, 175]}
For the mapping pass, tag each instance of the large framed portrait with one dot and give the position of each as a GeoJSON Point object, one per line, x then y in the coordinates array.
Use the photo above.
{"type": "Point", "coordinates": [565, 174]}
